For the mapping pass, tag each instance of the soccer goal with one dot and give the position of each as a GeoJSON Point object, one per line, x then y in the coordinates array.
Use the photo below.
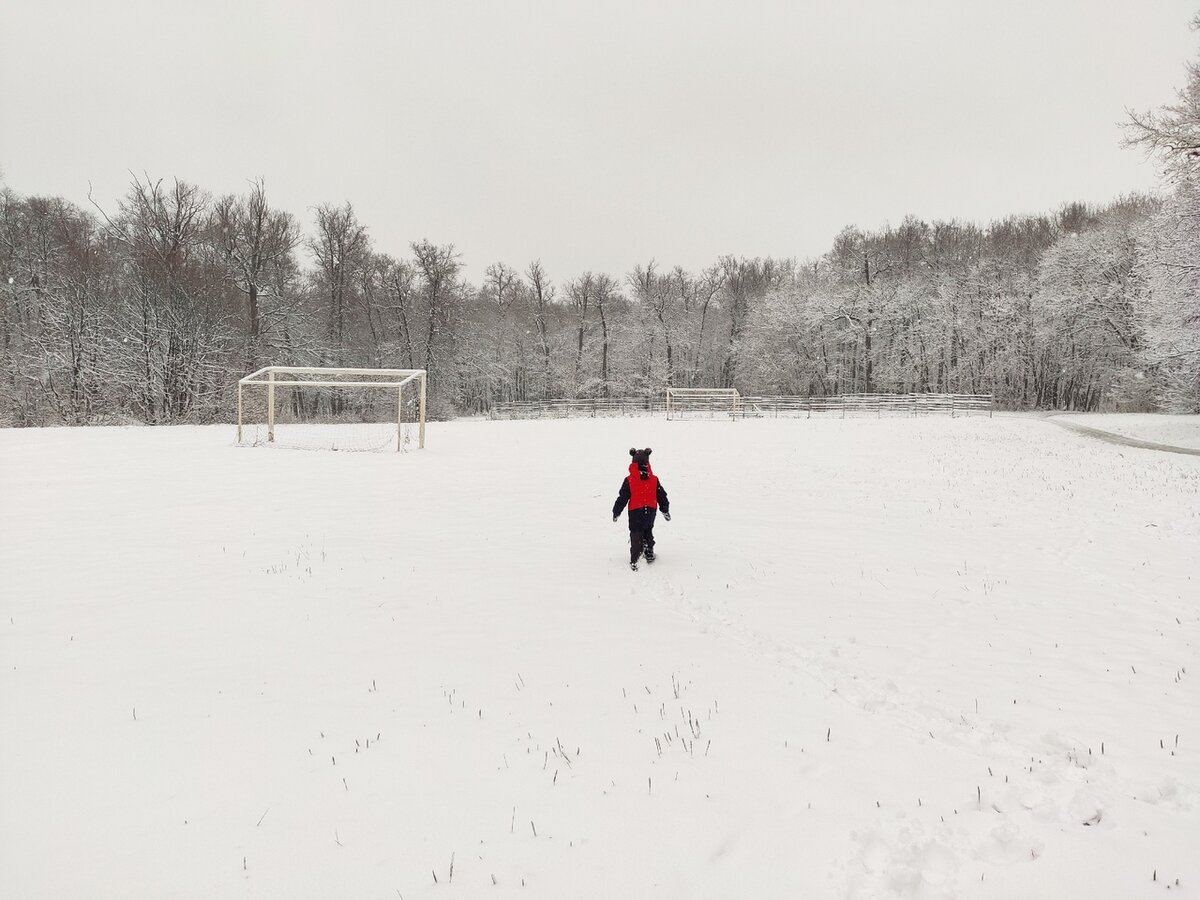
{"type": "Point", "coordinates": [689, 403]}
{"type": "Point", "coordinates": [332, 409]}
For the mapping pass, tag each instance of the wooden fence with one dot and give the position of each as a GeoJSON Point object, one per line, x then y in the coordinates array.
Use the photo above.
{"type": "Point", "coordinates": [866, 405]}
{"type": "Point", "coordinates": [843, 406]}
{"type": "Point", "coordinates": [579, 408]}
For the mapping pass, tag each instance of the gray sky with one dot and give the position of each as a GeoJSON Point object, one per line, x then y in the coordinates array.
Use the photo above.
{"type": "Point", "coordinates": [593, 135]}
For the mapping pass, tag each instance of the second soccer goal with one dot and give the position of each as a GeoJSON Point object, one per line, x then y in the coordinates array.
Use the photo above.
{"type": "Point", "coordinates": [691, 403]}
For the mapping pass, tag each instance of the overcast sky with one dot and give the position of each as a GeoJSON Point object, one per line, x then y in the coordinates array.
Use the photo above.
{"type": "Point", "coordinates": [593, 135]}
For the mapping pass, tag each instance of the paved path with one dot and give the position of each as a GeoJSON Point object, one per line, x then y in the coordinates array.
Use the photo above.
{"type": "Point", "coordinates": [1114, 438]}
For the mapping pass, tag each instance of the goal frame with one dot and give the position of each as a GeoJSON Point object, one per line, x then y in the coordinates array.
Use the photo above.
{"type": "Point", "coordinates": [674, 394]}
{"type": "Point", "coordinates": [388, 378]}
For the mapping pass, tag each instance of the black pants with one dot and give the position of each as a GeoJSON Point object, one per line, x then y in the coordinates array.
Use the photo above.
{"type": "Point", "coordinates": [641, 532]}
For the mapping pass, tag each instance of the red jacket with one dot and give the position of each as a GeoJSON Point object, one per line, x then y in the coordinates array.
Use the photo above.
{"type": "Point", "coordinates": [639, 494]}
{"type": "Point", "coordinates": [642, 492]}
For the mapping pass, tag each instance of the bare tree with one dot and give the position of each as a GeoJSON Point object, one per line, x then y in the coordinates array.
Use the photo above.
{"type": "Point", "coordinates": [606, 292]}
{"type": "Point", "coordinates": [341, 248]}
{"type": "Point", "coordinates": [697, 295]}
{"type": "Point", "coordinates": [541, 296]}
{"type": "Point", "coordinates": [1171, 133]}
{"type": "Point", "coordinates": [503, 290]}
{"type": "Point", "coordinates": [743, 281]}
{"type": "Point", "coordinates": [258, 244]}
{"type": "Point", "coordinates": [658, 294]}
{"type": "Point", "coordinates": [53, 316]}
{"type": "Point", "coordinates": [580, 293]}
{"type": "Point", "coordinates": [74, 325]}
{"type": "Point", "coordinates": [176, 315]}
{"type": "Point", "coordinates": [437, 267]}
{"type": "Point", "coordinates": [1167, 262]}
{"type": "Point", "coordinates": [398, 282]}
{"type": "Point", "coordinates": [501, 282]}
{"type": "Point", "coordinates": [373, 296]}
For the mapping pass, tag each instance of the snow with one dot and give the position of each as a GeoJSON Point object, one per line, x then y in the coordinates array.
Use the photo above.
{"type": "Point", "coordinates": [923, 658]}
{"type": "Point", "coordinates": [1178, 431]}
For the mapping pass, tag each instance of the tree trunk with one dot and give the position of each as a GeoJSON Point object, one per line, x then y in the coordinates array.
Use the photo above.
{"type": "Point", "coordinates": [603, 353]}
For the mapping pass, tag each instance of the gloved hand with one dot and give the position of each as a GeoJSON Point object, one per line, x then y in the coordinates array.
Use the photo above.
{"type": "Point", "coordinates": [667, 516]}
{"type": "Point", "coordinates": [615, 518]}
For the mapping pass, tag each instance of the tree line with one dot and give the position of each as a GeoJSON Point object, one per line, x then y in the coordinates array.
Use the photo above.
{"type": "Point", "coordinates": [151, 311]}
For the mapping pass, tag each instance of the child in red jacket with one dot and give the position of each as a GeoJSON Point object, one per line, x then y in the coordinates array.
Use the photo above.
{"type": "Point", "coordinates": [645, 494]}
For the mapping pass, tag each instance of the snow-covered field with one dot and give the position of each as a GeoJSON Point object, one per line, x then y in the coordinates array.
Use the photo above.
{"type": "Point", "coordinates": [915, 658]}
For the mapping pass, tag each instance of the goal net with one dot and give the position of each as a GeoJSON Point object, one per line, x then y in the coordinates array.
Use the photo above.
{"type": "Point", "coordinates": [313, 408]}
{"type": "Point", "coordinates": [702, 403]}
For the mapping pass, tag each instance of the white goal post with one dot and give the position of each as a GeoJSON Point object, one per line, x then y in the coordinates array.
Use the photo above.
{"type": "Point", "coordinates": [682, 402]}
{"type": "Point", "coordinates": [350, 409]}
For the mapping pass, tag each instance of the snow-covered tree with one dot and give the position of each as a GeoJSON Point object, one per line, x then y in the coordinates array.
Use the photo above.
{"type": "Point", "coordinates": [1169, 266]}
{"type": "Point", "coordinates": [1170, 244]}
{"type": "Point", "coordinates": [258, 244]}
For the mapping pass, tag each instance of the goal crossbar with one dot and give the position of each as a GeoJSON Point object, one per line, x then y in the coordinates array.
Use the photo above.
{"type": "Point", "coordinates": [257, 377]}
{"type": "Point", "coordinates": [378, 384]}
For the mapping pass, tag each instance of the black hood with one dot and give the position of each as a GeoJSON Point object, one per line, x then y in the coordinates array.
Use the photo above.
{"type": "Point", "coordinates": [641, 459]}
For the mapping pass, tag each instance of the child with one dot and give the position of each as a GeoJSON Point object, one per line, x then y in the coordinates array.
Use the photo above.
{"type": "Point", "coordinates": [644, 493]}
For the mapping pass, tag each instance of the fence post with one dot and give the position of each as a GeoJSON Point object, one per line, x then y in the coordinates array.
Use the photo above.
{"type": "Point", "coordinates": [421, 412]}
{"type": "Point", "coordinates": [271, 406]}
{"type": "Point", "coordinates": [399, 418]}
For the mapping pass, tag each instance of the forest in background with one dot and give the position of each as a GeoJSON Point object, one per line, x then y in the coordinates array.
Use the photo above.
{"type": "Point", "coordinates": [150, 312]}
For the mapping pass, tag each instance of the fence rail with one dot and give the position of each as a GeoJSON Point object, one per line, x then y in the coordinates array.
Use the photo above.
{"type": "Point", "coordinates": [754, 407]}
{"type": "Point", "coordinates": [865, 405]}
{"type": "Point", "coordinates": [578, 408]}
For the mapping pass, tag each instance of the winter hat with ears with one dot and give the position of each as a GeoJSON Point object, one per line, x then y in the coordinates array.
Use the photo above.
{"type": "Point", "coordinates": [641, 459]}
